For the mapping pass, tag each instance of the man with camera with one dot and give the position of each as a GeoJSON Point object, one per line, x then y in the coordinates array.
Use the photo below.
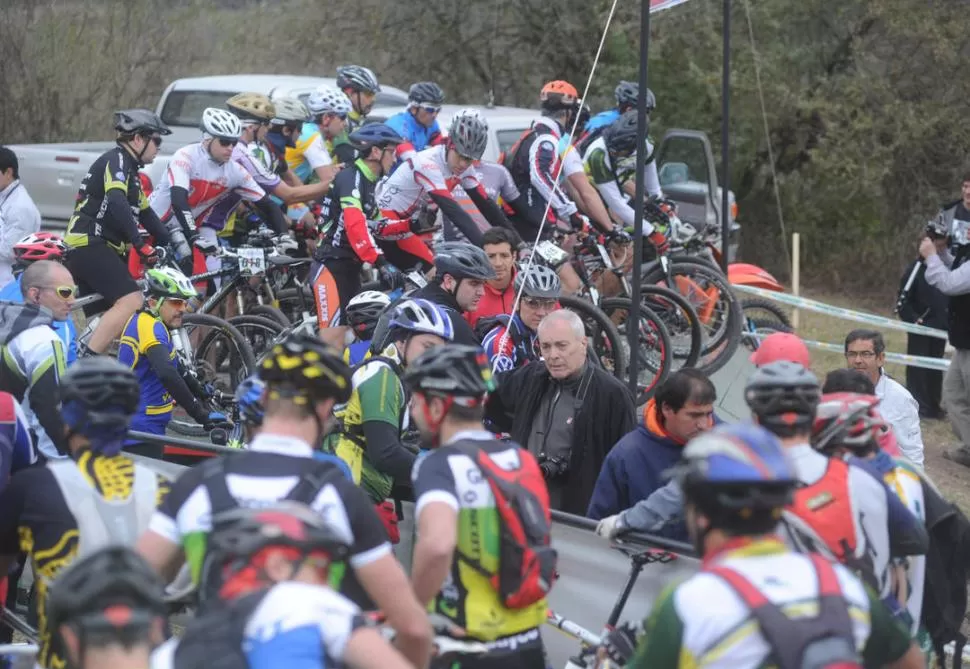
{"type": "Point", "coordinates": [946, 249]}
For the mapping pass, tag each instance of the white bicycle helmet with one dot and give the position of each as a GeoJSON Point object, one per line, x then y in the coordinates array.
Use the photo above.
{"type": "Point", "coordinates": [328, 100]}
{"type": "Point", "coordinates": [289, 110]}
{"type": "Point", "coordinates": [364, 310]}
{"type": "Point", "coordinates": [419, 316]}
{"type": "Point", "coordinates": [469, 133]}
{"type": "Point", "coordinates": [221, 123]}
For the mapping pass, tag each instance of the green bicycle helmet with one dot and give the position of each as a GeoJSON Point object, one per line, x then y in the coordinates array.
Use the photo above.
{"type": "Point", "coordinates": [169, 282]}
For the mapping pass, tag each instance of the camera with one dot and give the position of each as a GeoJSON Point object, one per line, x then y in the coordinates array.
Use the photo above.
{"type": "Point", "coordinates": [553, 468]}
{"type": "Point", "coordinates": [937, 228]}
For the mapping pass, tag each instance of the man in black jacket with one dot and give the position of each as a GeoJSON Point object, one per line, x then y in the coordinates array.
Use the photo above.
{"type": "Point", "coordinates": [461, 271]}
{"type": "Point", "coordinates": [923, 304]}
{"type": "Point", "coordinates": [567, 412]}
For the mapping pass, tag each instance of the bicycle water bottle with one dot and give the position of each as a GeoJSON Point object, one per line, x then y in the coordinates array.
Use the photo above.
{"type": "Point", "coordinates": [179, 243]}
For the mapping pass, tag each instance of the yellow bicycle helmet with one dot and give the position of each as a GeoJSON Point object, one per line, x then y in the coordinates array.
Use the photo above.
{"type": "Point", "coordinates": [252, 106]}
{"type": "Point", "coordinates": [308, 366]}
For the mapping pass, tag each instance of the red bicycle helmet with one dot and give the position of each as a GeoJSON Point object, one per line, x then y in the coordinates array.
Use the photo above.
{"type": "Point", "coordinates": [39, 246]}
{"type": "Point", "coordinates": [847, 420]}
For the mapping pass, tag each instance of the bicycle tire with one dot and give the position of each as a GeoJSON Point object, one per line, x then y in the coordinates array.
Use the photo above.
{"type": "Point", "coordinates": [658, 330]}
{"type": "Point", "coordinates": [758, 304]}
{"type": "Point", "coordinates": [269, 329]}
{"type": "Point", "coordinates": [300, 300]}
{"type": "Point", "coordinates": [605, 336]}
{"type": "Point", "coordinates": [752, 325]}
{"type": "Point", "coordinates": [657, 298]}
{"type": "Point", "coordinates": [270, 312]}
{"type": "Point", "coordinates": [724, 328]}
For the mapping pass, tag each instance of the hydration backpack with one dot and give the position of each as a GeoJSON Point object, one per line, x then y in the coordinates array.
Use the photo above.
{"type": "Point", "coordinates": [527, 560]}
{"type": "Point", "coordinates": [823, 642]}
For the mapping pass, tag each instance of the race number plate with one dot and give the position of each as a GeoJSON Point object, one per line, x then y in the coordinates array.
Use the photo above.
{"type": "Point", "coordinates": [252, 260]}
{"type": "Point", "coordinates": [551, 253]}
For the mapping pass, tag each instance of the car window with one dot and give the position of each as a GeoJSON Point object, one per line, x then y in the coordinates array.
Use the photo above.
{"type": "Point", "coordinates": [506, 138]}
{"type": "Point", "coordinates": [185, 107]}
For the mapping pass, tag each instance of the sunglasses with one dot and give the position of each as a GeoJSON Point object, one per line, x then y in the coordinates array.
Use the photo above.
{"type": "Point", "coordinates": [342, 117]}
{"type": "Point", "coordinates": [63, 292]}
{"type": "Point", "coordinates": [177, 302]}
{"type": "Point", "coordinates": [154, 139]}
{"type": "Point", "coordinates": [539, 302]}
{"type": "Point", "coordinates": [430, 109]}
{"type": "Point", "coordinates": [228, 142]}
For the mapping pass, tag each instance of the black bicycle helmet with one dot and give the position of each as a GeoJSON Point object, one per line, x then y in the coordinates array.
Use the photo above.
{"type": "Point", "coordinates": [357, 78]}
{"type": "Point", "coordinates": [621, 135]}
{"type": "Point", "coordinates": [426, 92]}
{"type": "Point", "coordinates": [627, 95]}
{"type": "Point", "coordinates": [305, 363]}
{"type": "Point", "coordinates": [113, 588]}
{"type": "Point", "coordinates": [374, 134]}
{"type": "Point", "coordinates": [239, 534]}
{"type": "Point", "coordinates": [539, 281]}
{"type": "Point", "coordinates": [452, 370]}
{"type": "Point", "coordinates": [98, 392]}
{"type": "Point", "coordinates": [784, 397]}
{"type": "Point", "coordinates": [139, 122]}
{"type": "Point", "coordinates": [462, 261]}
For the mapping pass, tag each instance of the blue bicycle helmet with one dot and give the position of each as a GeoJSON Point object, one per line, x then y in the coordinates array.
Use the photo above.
{"type": "Point", "coordinates": [735, 474]}
{"type": "Point", "coordinates": [249, 397]}
{"type": "Point", "coordinates": [419, 316]}
{"type": "Point", "coordinates": [374, 134]}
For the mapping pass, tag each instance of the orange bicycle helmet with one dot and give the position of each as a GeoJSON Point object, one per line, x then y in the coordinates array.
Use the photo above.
{"type": "Point", "coordinates": [560, 90]}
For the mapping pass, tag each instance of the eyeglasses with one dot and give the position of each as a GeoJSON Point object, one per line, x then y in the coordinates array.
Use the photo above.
{"type": "Point", "coordinates": [342, 117]}
{"type": "Point", "coordinates": [177, 302]}
{"type": "Point", "coordinates": [864, 355]}
{"type": "Point", "coordinates": [430, 109]}
{"type": "Point", "coordinates": [154, 139]}
{"type": "Point", "coordinates": [63, 292]}
{"type": "Point", "coordinates": [228, 142]}
{"type": "Point", "coordinates": [539, 303]}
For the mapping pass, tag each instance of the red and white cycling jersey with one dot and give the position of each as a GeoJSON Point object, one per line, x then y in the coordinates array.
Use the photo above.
{"type": "Point", "coordinates": [408, 190]}
{"type": "Point", "coordinates": [210, 186]}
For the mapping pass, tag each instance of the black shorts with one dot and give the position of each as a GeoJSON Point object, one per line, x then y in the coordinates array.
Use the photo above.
{"type": "Point", "coordinates": [528, 653]}
{"type": "Point", "coordinates": [98, 269]}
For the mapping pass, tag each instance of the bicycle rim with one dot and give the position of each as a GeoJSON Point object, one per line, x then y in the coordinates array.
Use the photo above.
{"type": "Point", "coordinates": [260, 333]}
{"type": "Point", "coordinates": [654, 348]}
{"type": "Point", "coordinates": [682, 322]}
{"type": "Point", "coordinates": [602, 333]}
{"type": "Point", "coordinates": [223, 355]}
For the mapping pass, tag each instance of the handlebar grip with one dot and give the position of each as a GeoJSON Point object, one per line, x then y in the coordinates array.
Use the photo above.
{"type": "Point", "coordinates": [219, 436]}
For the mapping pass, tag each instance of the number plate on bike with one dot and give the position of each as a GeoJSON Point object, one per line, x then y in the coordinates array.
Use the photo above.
{"type": "Point", "coordinates": [252, 260]}
{"type": "Point", "coordinates": [551, 253]}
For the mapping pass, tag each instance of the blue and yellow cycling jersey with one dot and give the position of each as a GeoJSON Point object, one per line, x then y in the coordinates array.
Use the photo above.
{"type": "Point", "coordinates": [142, 332]}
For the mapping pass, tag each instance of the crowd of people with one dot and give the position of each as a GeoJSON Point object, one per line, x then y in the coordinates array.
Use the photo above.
{"type": "Point", "coordinates": [476, 396]}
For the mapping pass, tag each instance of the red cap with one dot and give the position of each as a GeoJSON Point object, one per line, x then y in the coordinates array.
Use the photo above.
{"type": "Point", "coordinates": [781, 346]}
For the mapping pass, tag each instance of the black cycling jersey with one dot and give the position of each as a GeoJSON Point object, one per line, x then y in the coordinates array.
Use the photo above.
{"type": "Point", "coordinates": [349, 204]}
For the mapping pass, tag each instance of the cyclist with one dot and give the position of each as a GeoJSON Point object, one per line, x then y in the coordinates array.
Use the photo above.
{"type": "Point", "coordinates": [866, 525]}
{"type": "Point", "coordinates": [312, 156]}
{"type": "Point", "coordinates": [347, 241]}
{"type": "Point", "coordinates": [627, 97]}
{"type": "Point", "coordinates": [107, 610]}
{"type": "Point", "coordinates": [71, 507]}
{"type": "Point", "coordinates": [426, 180]}
{"type": "Point", "coordinates": [754, 602]}
{"type": "Point", "coordinates": [18, 450]}
{"type": "Point", "coordinates": [360, 85]}
{"type": "Point", "coordinates": [372, 422]}
{"type": "Point", "coordinates": [275, 608]}
{"type": "Point", "coordinates": [418, 124]}
{"type": "Point", "coordinates": [455, 511]}
{"type": "Point", "coordinates": [499, 187]}
{"type": "Point", "coordinates": [32, 359]}
{"type": "Point", "coordinates": [610, 161]}
{"type": "Point", "coordinates": [461, 271]}
{"type": "Point", "coordinates": [147, 349]}
{"type": "Point", "coordinates": [501, 247]}
{"type": "Point", "coordinates": [203, 186]}
{"type": "Point", "coordinates": [304, 379]}
{"type": "Point", "coordinates": [30, 249]}
{"type": "Point", "coordinates": [514, 342]}
{"type": "Point", "coordinates": [363, 312]}
{"type": "Point", "coordinates": [285, 129]}
{"type": "Point", "coordinates": [104, 224]}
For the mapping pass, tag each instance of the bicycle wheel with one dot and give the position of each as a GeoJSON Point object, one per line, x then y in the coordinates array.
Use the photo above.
{"type": "Point", "coordinates": [294, 301]}
{"type": "Point", "coordinates": [654, 350]}
{"type": "Point", "coordinates": [764, 311]}
{"type": "Point", "coordinates": [710, 293]}
{"type": "Point", "coordinates": [261, 333]}
{"type": "Point", "coordinates": [270, 312]}
{"type": "Point", "coordinates": [755, 330]}
{"type": "Point", "coordinates": [605, 338]}
{"type": "Point", "coordinates": [683, 324]}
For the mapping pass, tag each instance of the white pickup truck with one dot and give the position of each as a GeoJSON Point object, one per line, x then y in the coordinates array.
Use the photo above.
{"type": "Point", "coordinates": [52, 173]}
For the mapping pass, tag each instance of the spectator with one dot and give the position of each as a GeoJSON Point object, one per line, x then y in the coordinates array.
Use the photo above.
{"type": "Point", "coordinates": [682, 408]}
{"type": "Point", "coordinates": [781, 346]}
{"type": "Point", "coordinates": [568, 412]}
{"type": "Point", "coordinates": [865, 351]}
{"type": "Point", "coordinates": [500, 246]}
{"type": "Point", "coordinates": [19, 216]}
{"type": "Point", "coordinates": [924, 304]}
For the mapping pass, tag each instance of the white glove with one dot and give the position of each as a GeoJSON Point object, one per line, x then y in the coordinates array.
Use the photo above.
{"type": "Point", "coordinates": [610, 526]}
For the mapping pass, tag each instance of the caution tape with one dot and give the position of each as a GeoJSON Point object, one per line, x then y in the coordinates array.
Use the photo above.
{"type": "Point", "coordinates": [941, 364]}
{"type": "Point", "coordinates": [839, 312]}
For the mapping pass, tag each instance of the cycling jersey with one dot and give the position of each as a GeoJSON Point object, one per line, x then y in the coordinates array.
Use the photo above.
{"type": "Point", "coordinates": [108, 203]}
{"type": "Point", "coordinates": [210, 185]}
{"type": "Point", "coordinates": [49, 516]}
{"type": "Point", "coordinates": [702, 622]}
{"type": "Point", "coordinates": [467, 597]}
{"type": "Point", "coordinates": [18, 450]}
{"type": "Point", "coordinates": [32, 363]}
{"type": "Point", "coordinates": [349, 205]}
{"type": "Point", "coordinates": [357, 352]}
{"type": "Point", "coordinates": [294, 626]}
{"type": "Point", "coordinates": [519, 348]}
{"type": "Point", "coordinates": [418, 137]}
{"type": "Point", "coordinates": [267, 472]}
{"type": "Point", "coordinates": [602, 120]}
{"type": "Point", "coordinates": [65, 329]}
{"type": "Point", "coordinates": [378, 396]}
{"type": "Point", "coordinates": [312, 150]}
{"type": "Point", "coordinates": [498, 186]}
{"type": "Point", "coordinates": [608, 181]}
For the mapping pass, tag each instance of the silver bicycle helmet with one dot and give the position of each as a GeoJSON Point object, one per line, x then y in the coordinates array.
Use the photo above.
{"type": "Point", "coordinates": [469, 133]}
{"type": "Point", "coordinates": [328, 100]}
{"type": "Point", "coordinates": [221, 123]}
{"type": "Point", "coordinates": [538, 281]}
{"type": "Point", "coordinates": [290, 110]}
{"type": "Point", "coordinates": [136, 121]}
{"type": "Point", "coordinates": [358, 78]}
{"type": "Point", "coordinates": [462, 261]}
